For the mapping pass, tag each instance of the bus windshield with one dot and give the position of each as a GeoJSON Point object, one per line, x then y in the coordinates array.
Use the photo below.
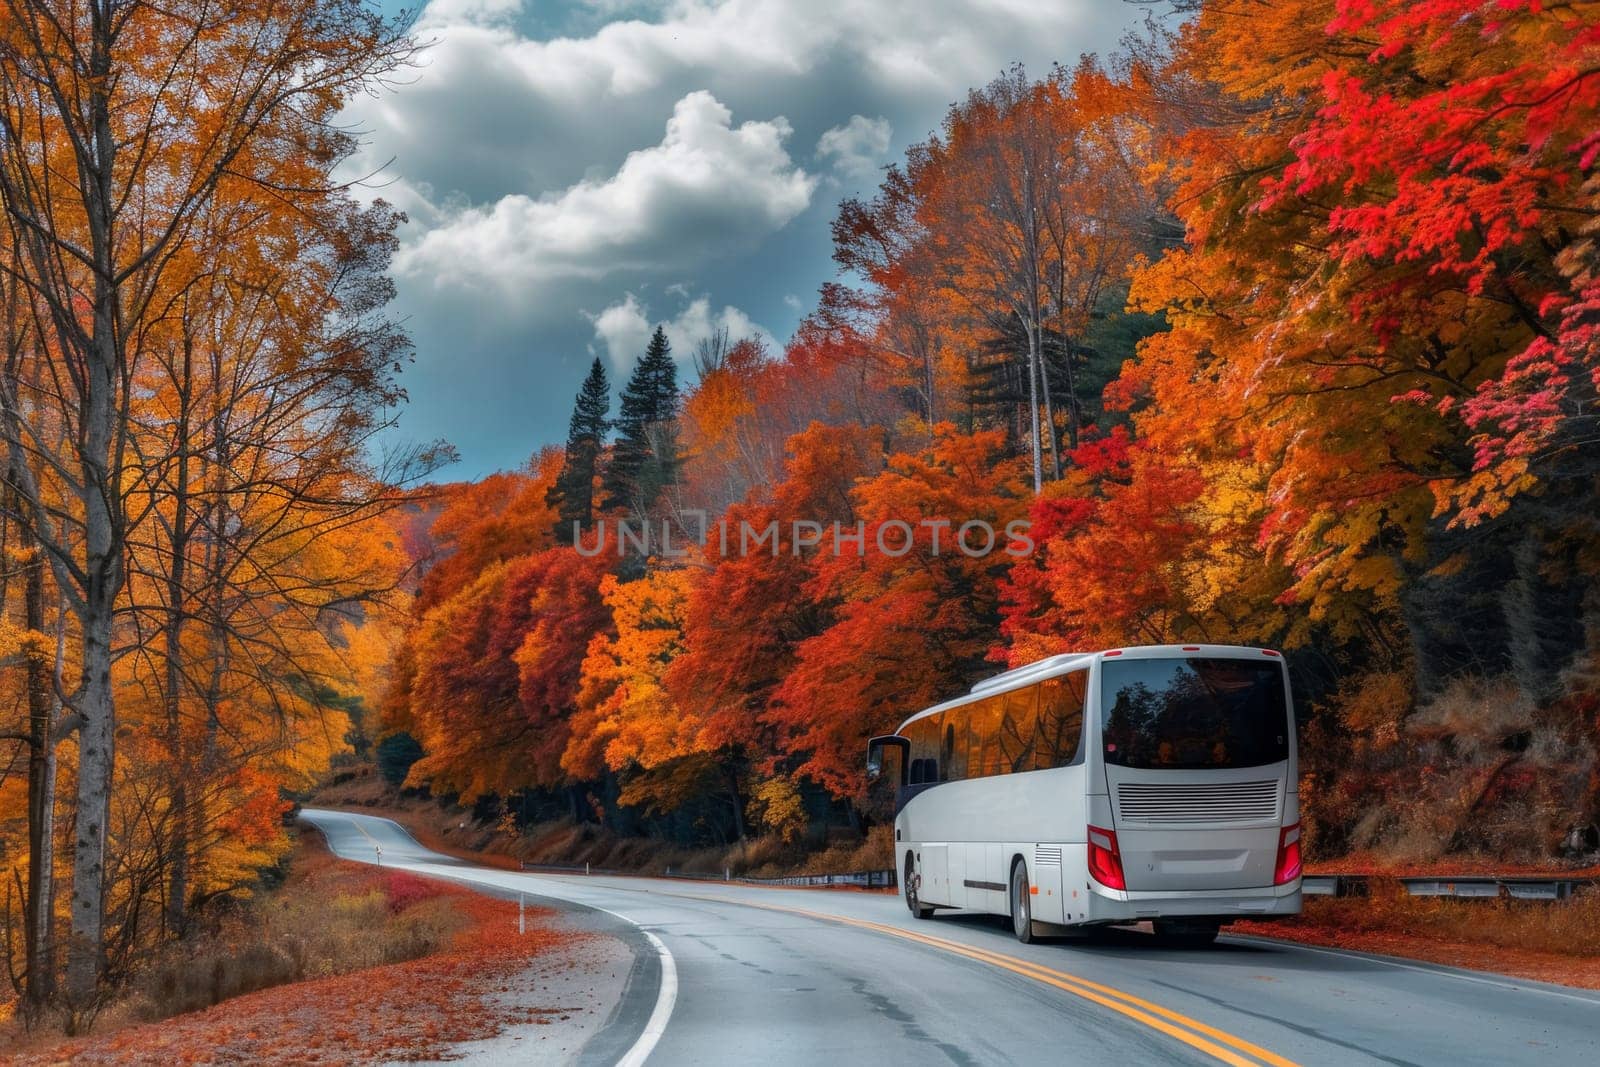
{"type": "Point", "coordinates": [1175, 714]}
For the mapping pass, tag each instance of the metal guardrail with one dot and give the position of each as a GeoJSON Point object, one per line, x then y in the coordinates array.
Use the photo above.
{"type": "Point", "coordinates": [1480, 887]}
{"type": "Point", "coordinates": [880, 879]}
{"type": "Point", "coordinates": [1323, 885]}
{"type": "Point", "coordinates": [884, 879]}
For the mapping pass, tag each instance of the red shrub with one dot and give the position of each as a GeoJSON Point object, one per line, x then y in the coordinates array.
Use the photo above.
{"type": "Point", "coordinates": [405, 890]}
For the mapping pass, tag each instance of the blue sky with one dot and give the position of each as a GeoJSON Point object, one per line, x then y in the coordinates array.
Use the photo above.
{"type": "Point", "coordinates": [577, 171]}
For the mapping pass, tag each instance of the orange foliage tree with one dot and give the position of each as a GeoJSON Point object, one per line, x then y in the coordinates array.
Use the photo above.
{"type": "Point", "coordinates": [196, 358]}
{"type": "Point", "coordinates": [1358, 243]}
{"type": "Point", "coordinates": [916, 614]}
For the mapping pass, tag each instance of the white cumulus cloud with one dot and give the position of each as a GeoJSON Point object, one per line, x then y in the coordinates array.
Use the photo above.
{"type": "Point", "coordinates": [857, 147]}
{"type": "Point", "coordinates": [494, 107]}
{"type": "Point", "coordinates": [443, 13]}
{"type": "Point", "coordinates": [707, 187]}
{"type": "Point", "coordinates": [905, 43]}
{"type": "Point", "coordinates": [623, 329]}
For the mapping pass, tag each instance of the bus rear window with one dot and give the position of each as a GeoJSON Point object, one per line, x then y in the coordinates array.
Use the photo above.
{"type": "Point", "coordinates": [1175, 714]}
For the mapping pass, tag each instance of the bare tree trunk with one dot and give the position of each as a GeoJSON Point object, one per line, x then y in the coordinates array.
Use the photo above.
{"type": "Point", "coordinates": [47, 814]}
{"type": "Point", "coordinates": [731, 780]}
{"type": "Point", "coordinates": [930, 383]}
{"type": "Point", "coordinates": [176, 914]}
{"type": "Point", "coordinates": [96, 736]}
{"type": "Point", "coordinates": [1033, 404]}
{"type": "Point", "coordinates": [178, 876]}
{"type": "Point", "coordinates": [216, 561]}
{"type": "Point", "coordinates": [1074, 419]}
{"type": "Point", "coordinates": [103, 546]}
{"type": "Point", "coordinates": [210, 751]}
{"type": "Point", "coordinates": [100, 470]}
{"type": "Point", "coordinates": [1050, 419]}
{"type": "Point", "coordinates": [37, 926]}
{"type": "Point", "coordinates": [1033, 324]}
{"type": "Point", "coordinates": [176, 917]}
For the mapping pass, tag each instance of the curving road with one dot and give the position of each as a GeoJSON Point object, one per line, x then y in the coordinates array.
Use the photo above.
{"type": "Point", "coordinates": [730, 974]}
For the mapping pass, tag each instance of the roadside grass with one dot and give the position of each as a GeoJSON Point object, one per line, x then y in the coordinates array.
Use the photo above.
{"type": "Point", "coordinates": [1550, 942]}
{"type": "Point", "coordinates": [343, 963]}
{"type": "Point", "coordinates": [329, 918]}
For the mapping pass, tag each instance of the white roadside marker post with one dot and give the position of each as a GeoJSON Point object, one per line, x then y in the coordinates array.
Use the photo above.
{"type": "Point", "coordinates": [522, 926]}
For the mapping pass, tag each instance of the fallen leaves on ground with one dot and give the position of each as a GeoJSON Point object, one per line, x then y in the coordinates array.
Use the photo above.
{"type": "Point", "coordinates": [406, 1011]}
{"type": "Point", "coordinates": [1518, 963]}
{"type": "Point", "coordinates": [1546, 942]}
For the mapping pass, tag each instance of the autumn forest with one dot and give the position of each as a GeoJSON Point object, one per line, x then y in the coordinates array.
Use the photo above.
{"type": "Point", "coordinates": [1279, 326]}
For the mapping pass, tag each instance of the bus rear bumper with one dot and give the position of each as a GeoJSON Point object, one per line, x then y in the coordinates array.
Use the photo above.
{"type": "Point", "coordinates": [1225, 905]}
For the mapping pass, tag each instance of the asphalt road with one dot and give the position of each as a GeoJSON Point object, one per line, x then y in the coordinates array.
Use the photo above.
{"type": "Point", "coordinates": [730, 974]}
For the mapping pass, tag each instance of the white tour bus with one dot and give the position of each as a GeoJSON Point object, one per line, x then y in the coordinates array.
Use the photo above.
{"type": "Point", "coordinates": [1104, 787]}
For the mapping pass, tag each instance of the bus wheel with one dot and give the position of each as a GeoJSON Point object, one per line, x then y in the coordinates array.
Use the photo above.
{"type": "Point", "coordinates": [1185, 935]}
{"type": "Point", "coordinates": [1021, 903]}
{"type": "Point", "coordinates": [913, 880]}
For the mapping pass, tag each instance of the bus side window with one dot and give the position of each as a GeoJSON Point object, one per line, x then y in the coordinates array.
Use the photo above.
{"type": "Point", "coordinates": [1061, 703]}
{"type": "Point", "coordinates": [924, 738]}
{"type": "Point", "coordinates": [952, 754]}
{"type": "Point", "coordinates": [1019, 729]}
{"type": "Point", "coordinates": [984, 730]}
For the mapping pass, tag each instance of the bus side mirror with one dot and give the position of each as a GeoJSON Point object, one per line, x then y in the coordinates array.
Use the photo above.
{"type": "Point", "coordinates": [887, 753]}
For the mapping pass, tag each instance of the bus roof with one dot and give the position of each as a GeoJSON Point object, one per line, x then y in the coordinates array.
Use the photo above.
{"type": "Point", "coordinates": [1066, 662]}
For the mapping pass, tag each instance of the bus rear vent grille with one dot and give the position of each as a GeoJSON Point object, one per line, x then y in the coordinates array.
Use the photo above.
{"type": "Point", "coordinates": [1197, 803]}
{"type": "Point", "coordinates": [1046, 857]}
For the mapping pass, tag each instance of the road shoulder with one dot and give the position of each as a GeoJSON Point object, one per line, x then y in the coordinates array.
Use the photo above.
{"type": "Point", "coordinates": [570, 999]}
{"type": "Point", "coordinates": [610, 980]}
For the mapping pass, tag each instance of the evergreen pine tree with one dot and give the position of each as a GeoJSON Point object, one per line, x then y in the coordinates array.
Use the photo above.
{"type": "Point", "coordinates": [645, 459]}
{"type": "Point", "coordinates": [572, 495]}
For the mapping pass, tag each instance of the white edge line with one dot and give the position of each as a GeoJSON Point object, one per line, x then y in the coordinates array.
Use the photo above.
{"type": "Point", "coordinates": [666, 996]}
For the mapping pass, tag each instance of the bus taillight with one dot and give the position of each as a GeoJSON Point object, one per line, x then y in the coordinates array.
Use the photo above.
{"type": "Point", "coordinates": [1287, 868]}
{"type": "Point", "coordinates": [1105, 862]}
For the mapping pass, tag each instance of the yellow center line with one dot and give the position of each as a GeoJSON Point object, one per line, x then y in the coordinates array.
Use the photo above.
{"type": "Point", "coordinates": [366, 835]}
{"type": "Point", "coordinates": [1174, 1024]}
{"type": "Point", "coordinates": [1094, 990]}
